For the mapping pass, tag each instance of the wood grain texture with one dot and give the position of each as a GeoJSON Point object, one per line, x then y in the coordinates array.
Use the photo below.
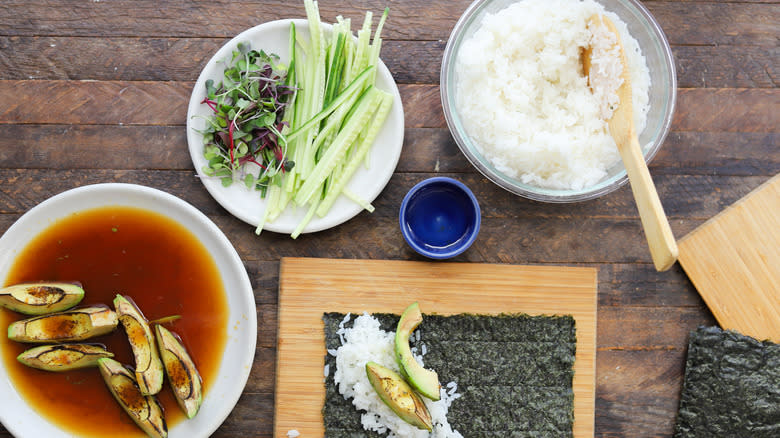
{"type": "Point", "coordinates": [165, 103]}
{"type": "Point", "coordinates": [734, 262]}
{"type": "Point", "coordinates": [310, 287]}
{"type": "Point", "coordinates": [425, 150]}
{"type": "Point", "coordinates": [65, 122]}
{"type": "Point", "coordinates": [704, 23]}
{"type": "Point", "coordinates": [172, 59]}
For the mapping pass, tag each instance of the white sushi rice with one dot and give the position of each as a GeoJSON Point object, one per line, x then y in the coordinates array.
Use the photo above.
{"type": "Point", "coordinates": [525, 102]}
{"type": "Point", "coordinates": [365, 342]}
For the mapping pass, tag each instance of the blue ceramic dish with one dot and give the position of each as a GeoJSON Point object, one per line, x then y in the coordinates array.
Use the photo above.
{"type": "Point", "coordinates": [440, 217]}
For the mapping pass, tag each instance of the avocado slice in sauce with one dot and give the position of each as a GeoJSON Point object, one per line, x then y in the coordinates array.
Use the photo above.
{"type": "Point", "coordinates": [63, 357]}
{"type": "Point", "coordinates": [182, 375]}
{"type": "Point", "coordinates": [145, 410]}
{"type": "Point", "coordinates": [41, 298]}
{"type": "Point", "coordinates": [148, 367]}
{"type": "Point", "coordinates": [68, 326]}
{"type": "Point", "coordinates": [399, 396]}
{"type": "Point", "coordinates": [426, 382]}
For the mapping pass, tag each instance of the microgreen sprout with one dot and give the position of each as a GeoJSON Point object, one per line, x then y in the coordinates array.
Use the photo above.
{"type": "Point", "coordinates": [298, 132]}
{"type": "Point", "coordinates": [243, 139]}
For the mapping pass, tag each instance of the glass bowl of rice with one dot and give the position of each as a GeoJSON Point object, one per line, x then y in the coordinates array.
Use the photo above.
{"type": "Point", "coordinates": [520, 109]}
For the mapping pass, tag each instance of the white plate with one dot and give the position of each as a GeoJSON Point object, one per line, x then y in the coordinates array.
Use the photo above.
{"type": "Point", "coordinates": [273, 37]}
{"type": "Point", "coordinates": [22, 421]}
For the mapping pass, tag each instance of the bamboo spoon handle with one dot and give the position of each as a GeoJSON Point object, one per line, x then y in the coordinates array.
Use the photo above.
{"type": "Point", "coordinates": [663, 247]}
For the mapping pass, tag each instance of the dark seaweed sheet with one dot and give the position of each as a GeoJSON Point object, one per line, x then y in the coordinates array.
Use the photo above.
{"type": "Point", "coordinates": [514, 373]}
{"type": "Point", "coordinates": [731, 388]}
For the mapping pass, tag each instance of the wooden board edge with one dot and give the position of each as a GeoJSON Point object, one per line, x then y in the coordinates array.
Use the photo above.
{"type": "Point", "coordinates": [587, 407]}
{"type": "Point", "coordinates": [687, 259]}
{"type": "Point", "coordinates": [682, 241]}
{"type": "Point", "coordinates": [589, 430]}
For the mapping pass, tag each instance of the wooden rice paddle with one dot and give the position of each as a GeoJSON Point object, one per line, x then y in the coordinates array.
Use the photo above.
{"type": "Point", "coordinates": [663, 247]}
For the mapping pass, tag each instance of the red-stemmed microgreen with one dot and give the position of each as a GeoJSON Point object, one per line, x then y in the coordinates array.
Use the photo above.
{"type": "Point", "coordinates": [242, 140]}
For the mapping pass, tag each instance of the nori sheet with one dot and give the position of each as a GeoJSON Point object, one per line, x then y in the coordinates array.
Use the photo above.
{"type": "Point", "coordinates": [731, 388]}
{"type": "Point", "coordinates": [514, 373]}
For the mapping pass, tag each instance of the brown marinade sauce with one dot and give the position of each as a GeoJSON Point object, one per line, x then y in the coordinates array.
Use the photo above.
{"type": "Point", "coordinates": [142, 255]}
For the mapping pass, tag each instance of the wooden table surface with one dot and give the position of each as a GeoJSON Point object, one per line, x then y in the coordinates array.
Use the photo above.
{"type": "Point", "coordinates": [96, 91]}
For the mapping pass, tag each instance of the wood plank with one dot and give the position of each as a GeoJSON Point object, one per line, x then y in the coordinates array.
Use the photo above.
{"type": "Point", "coordinates": [426, 150]}
{"type": "Point", "coordinates": [684, 196]}
{"type": "Point", "coordinates": [309, 287]}
{"type": "Point", "coordinates": [167, 59]}
{"type": "Point", "coordinates": [731, 110]}
{"type": "Point", "coordinates": [660, 329]}
{"type": "Point", "coordinates": [181, 59]}
{"type": "Point", "coordinates": [689, 153]}
{"type": "Point", "coordinates": [715, 23]}
{"type": "Point", "coordinates": [540, 233]}
{"type": "Point", "coordinates": [522, 240]}
{"type": "Point", "coordinates": [217, 18]}
{"type": "Point", "coordinates": [165, 103]}
{"type": "Point", "coordinates": [620, 285]}
{"type": "Point", "coordinates": [638, 392]}
{"type": "Point", "coordinates": [733, 261]}
{"type": "Point", "coordinates": [641, 286]}
{"type": "Point", "coordinates": [554, 240]}
{"type": "Point", "coordinates": [718, 153]}
{"type": "Point", "coordinates": [95, 102]}
{"type": "Point", "coordinates": [727, 66]}
{"type": "Point", "coordinates": [252, 416]}
{"type": "Point", "coordinates": [94, 147]}
{"type": "Point", "coordinates": [708, 23]}
{"type": "Point", "coordinates": [120, 58]}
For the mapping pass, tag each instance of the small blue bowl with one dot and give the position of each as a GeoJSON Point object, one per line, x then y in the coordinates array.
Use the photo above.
{"type": "Point", "coordinates": [440, 217]}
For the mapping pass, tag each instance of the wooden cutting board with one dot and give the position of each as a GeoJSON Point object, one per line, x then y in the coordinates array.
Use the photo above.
{"type": "Point", "coordinates": [734, 261]}
{"type": "Point", "coordinates": [310, 287]}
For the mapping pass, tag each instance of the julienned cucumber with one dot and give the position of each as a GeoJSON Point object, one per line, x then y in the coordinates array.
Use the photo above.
{"type": "Point", "coordinates": [370, 134]}
{"type": "Point", "coordinates": [333, 118]}
{"type": "Point", "coordinates": [366, 106]}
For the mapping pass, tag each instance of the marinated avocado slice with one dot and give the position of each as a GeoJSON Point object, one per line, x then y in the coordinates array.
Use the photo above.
{"type": "Point", "coordinates": [41, 298]}
{"type": "Point", "coordinates": [148, 367]}
{"type": "Point", "coordinates": [69, 326]}
{"type": "Point", "coordinates": [180, 369]}
{"type": "Point", "coordinates": [145, 410]}
{"type": "Point", "coordinates": [399, 396]}
{"type": "Point", "coordinates": [423, 380]}
{"type": "Point", "coordinates": [63, 357]}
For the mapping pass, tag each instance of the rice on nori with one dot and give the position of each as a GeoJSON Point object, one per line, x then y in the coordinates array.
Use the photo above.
{"type": "Point", "coordinates": [514, 373]}
{"type": "Point", "coordinates": [731, 388]}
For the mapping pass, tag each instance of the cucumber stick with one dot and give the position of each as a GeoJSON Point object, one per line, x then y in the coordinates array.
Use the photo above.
{"type": "Point", "coordinates": [365, 107]}
{"type": "Point", "coordinates": [357, 84]}
{"type": "Point", "coordinates": [371, 132]}
{"type": "Point", "coordinates": [334, 116]}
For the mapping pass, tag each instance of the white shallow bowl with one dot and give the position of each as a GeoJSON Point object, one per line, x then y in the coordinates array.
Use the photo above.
{"type": "Point", "coordinates": [22, 421]}
{"type": "Point", "coordinates": [273, 37]}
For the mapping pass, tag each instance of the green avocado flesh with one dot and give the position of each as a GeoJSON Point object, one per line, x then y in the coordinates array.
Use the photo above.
{"type": "Point", "coordinates": [424, 381]}
{"type": "Point", "coordinates": [513, 372]}
{"type": "Point", "coordinates": [148, 367]}
{"type": "Point", "coordinates": [69, 326]}
{"type": "Point", "coordinates": [180, 369]}
{"type": "Point", "coordinates": [63, 357]}
{"type": "Point", "coordinates": [398, 396]}
{"type": "Point", "coordinates": [41, 298]}
{"type": "Point", "coordinates": [731, 386]}
{"type": "Point", "coordinates": [145, 410]}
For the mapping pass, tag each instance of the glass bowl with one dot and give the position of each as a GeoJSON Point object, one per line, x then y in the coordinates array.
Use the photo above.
{"type": "Point", "coordinates": [662, 97]}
